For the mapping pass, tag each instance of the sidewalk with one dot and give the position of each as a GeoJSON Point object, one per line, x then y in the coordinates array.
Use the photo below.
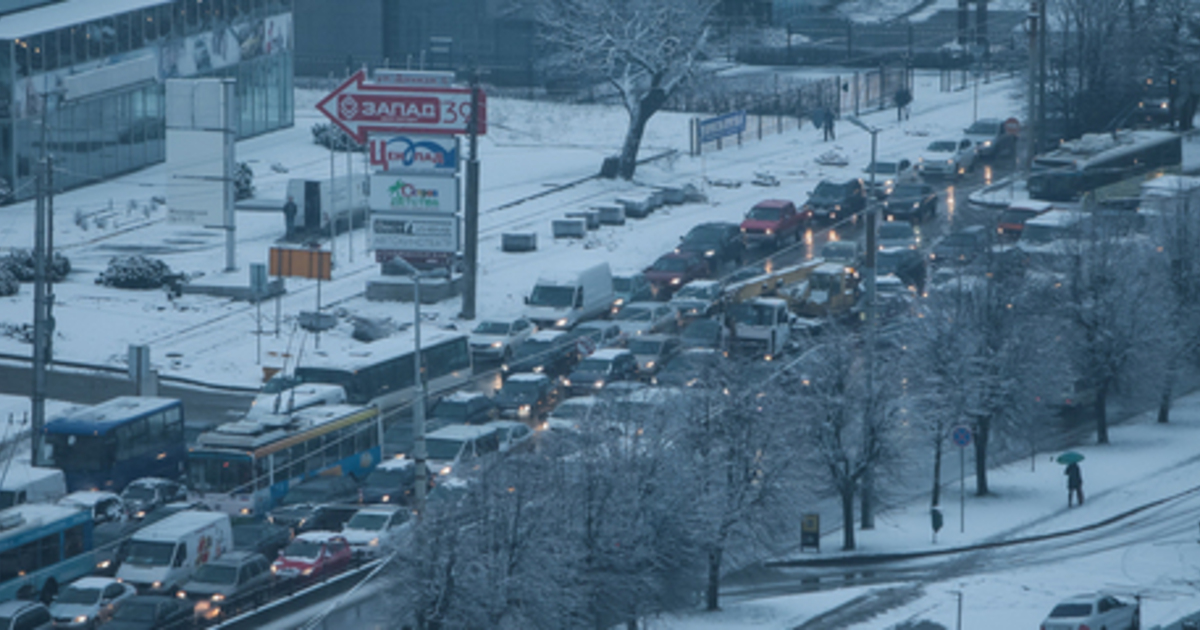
{"type": "Point", "coordinates": [1152, 551]}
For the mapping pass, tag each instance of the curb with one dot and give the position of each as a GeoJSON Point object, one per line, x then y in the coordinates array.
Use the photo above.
{"type": "Point", "coordinates": [856, 560]}
{"type": "Point", "coordinates": [975, 197]}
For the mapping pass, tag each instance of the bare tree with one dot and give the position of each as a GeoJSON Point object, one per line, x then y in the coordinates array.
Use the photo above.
{"type": "Point", "coordinates": [643, 49]}
{"type": "Point", "coordinates": [1176, 228]}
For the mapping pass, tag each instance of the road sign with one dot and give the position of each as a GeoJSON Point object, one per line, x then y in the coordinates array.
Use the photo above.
{"type": "Point", "coordinates": [415, 78]}
{"type": "Point", "coordinates": [359, 107]}
{"type": "Point", "coordinates": [1012, 127]}
{"type": "Point", "coordinates": [810, 531]}
{"type": "Point", "coordinates": [407, 193]}
{"type": "Point", "coordinates": [409, 153]}
{"type": "Point", "coordinates": [402, 234]}
{"type": "Point", "coordinates": [961, 436]}
{"type": "Point", "coordinates": [731, 124]}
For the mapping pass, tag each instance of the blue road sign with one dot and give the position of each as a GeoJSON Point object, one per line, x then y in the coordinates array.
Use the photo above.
{"type": "Point", "coordinates": [961, 436]}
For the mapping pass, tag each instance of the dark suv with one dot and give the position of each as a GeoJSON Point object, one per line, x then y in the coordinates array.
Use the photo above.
{"type": "Point", "coordinates": [718, 242]}
{"type": "Point", "coordinates": [990, 138]}
{"type": "Point", "coordinates": [831, 201]}
{"type": "Point", "coordinates": [960, 247]}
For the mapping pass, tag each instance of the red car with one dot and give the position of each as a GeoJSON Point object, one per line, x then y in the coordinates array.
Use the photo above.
{"type": "Point", "coordinates": [313, 556]}
{"type": "Point", "coordinates": [774, 222]}
{"type": "Point", "coordinates": [674, 270]}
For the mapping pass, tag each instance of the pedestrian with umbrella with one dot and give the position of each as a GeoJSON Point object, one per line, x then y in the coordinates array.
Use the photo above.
{"type": "Point", "coordinates": [1074, 476]}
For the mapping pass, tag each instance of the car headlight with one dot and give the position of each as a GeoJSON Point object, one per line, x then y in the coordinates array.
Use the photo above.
{"type": "Point", "coordinates": [387, 498]}
{"type": "Point", "coordinates": [770, 231]}
{"type": "Point", "coordinates": [837, 206]}
{"type": "Point", "coordinates": [649, 365]}
{"type": "Point", "coordinates": [104, 564]}
{"type": "Point", "coordinates": [619, 302]}
{"type": "Point", "coordinates": [274, 568]}
{"type": "Point", "coordinates": [80, 619]}
{"type": "Point", "coordinates": [598, 384]}
{"type": "Point", "coordinates": [951, 161]}
{"type": "Point", "coordinates": [561, 322]}
{"type": "Point", "coordinates": [566, 382]}
{"type": "Point", "coordinates": [307, 572]}
{"type": "Point", "coordinates": [537, 369]}
{"type": "Point", "coordinates": [916, 205]}
{"type": "Point", "coordinates": [445, 471]}
{"type": "Point", "coordinates": [676, 280]}
{"type": "Point", "coordinates": [710, 253]}
{"type": "Point", "coordinates": [181, 594]}
{"type": "Point", "coordinates": [155, 585]}
{"type": "Point", "coordinates": [523, 411]}
{"type": "Point", "coordinates": [497, 344]}
{"type": "Point", "coordinates": [218, 597]}
{"type": "Point", "coordinates": [891, 218]}
{"type": "Point", "coordinates": [987, 143]}
{"type": "Point", "coordinates": [374, 542]}
{"type": "Point", "coordinates": [743, 230]}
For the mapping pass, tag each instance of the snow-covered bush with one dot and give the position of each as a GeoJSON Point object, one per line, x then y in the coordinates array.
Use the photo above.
{"type": "Point", "coordinates": [9, 285]}
{"type": "Point", "coordinates": [332, 137]}
{"type": "Point", "coordinates": [135, 272]}
{"type": "Point", "coordinates": [243, 182]}
{"type": "Point", "coordinates": [19, 263]}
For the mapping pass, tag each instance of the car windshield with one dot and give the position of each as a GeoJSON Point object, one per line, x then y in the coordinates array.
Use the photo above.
{"type": "Point", "coordinates": [704, 234]}
{"type": "Point", "coordinates": [520, 388]}
{"type": "Point", "coordinates": [552, 296]}
{"type": "Point", "coordinates": [753, 314]}
{"type": "Point", "coordinates": [983, 128]}
{"type": "Point", "coordinates": [491, 328]}
{"type": "Point", "coordinates": [533, 347]}
{"type": "Point", "coordinates": [622, 285]}
{"type": "Point", "coordinates": [150, 553]}
{"type": "Point", "coordinates": [372, 522]}
{"type": "Point", "coordinates": [215, 574]}
{"type": "Point", "coordinates": [593, 365]}
{"type": "Point", "coordinates": [760, 213]}
{"type": "Point", "coordinates": [75, 595]}
{"type": "Point", "coordinates": [670, 264]}
{"type": "Point", "coordinates": [452, 409]}
{"type": "Point", "coordinates": [942, 146]}
{"type": "Point", "coordinates": [136, 611]}
{"type": "Point", "coordinates": [303, 549]}
{"type": "Point", "coordinates": [894, 229]}
{"type": "Point", "coordinates": [881, 168]}
{"type": "Point", "coordinates": [909, 190]}
{"type": "Point", "coordinates": [827, 189]}
{"type": "Point", "coordinates": [279, 384]}
{"type": "Point", "coordinates": [380, 478]}
{"type": "Point", "coordinates": [888, 261]}
{"type": "Point", "coordinates": [138, 493]}
{"type": "Point", "coordinates": [1071, 610]}
{"type": "Point", "coordinates": [630, 314]}
{"type": "Point", "coordinates": [645, 346]}
{"type": "Point", "coordinates": [700, 292]}
{"type": "Point", "coordinates": [442, 448]}
{"type": "Point", "coordinates": [572, 410]}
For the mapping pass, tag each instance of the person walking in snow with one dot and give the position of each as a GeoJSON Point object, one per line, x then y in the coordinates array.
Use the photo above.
{"type": "Point", "coordinates": [828, 126]}
{"type": "Point", "coordinates": [1074, 483]}
{"type": "Point", "coordinates": [289, 217]}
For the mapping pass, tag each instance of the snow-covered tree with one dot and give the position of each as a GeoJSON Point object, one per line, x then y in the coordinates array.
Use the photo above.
{"type": "Point", "coordinates": [644, 49]}
{"type": "Point", "coordinates": [1176, 229]}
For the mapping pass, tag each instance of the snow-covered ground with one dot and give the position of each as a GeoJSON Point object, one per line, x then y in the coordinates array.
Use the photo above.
{"type": "Point", "coordinates": [530, 146]}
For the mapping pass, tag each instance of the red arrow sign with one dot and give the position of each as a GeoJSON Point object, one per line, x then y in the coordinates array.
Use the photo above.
{"type": "Point", "coordinates": [359, 107]}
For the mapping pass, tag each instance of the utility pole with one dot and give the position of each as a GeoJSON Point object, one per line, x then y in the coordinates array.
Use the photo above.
{"type": "Point", "coordinates": [1042, 29]}
{"type": "Point", "coordinates": [1031, 139]}
{"type": "Point", "coordinates": [471, 212]}
{"type": "Point", "coordinates": [868, 514]}
{"type": "Point", "coordinates": [42, 325]}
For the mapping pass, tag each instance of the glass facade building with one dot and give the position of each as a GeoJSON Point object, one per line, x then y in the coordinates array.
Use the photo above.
{"type": "Point", "coordinates": [87, 79]}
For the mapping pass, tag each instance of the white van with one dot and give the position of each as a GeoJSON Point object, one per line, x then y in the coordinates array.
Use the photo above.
{"type": "Point", "coordinates": [456, 444]}
{"type": "Point", "coordinates": [161, 557]}
{"type": "Point", "coordinates": [21, 483]}
{"type": "Point", "coordinates": [562, 298]}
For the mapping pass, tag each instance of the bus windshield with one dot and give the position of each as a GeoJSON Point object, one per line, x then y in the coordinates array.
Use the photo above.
{"type": "Point", "coordinates": [213, 472]}
{"type": "Point", "coordinates": [279, 383]}
{"type": "Point", "coordinates": [88, 453]}
{"type": "Point", "coordinates": [145, 553]}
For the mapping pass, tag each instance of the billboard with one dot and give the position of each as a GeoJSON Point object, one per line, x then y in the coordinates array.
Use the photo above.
{"type": "Point", "coordinates": [415, 154]}
{"type": "Point", "coordinates": [716, 127]}
{"type": "Point", "coordinates": [392, 192]}
{"type": "Point", "coordinates": [405, 234]}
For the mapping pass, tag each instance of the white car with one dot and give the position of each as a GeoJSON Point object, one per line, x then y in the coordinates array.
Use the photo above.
{"type": "Point", "coordinates": [512, 433]}
{"type": "Point", "coordinates": [573, 414]}
{"type": "Point", "coordinates": [89, 602]}
{"type": "Point", "coordinates": [1096, 611]}
{"type": "Point", "coordinates": [698, 298]}
{"type": "Point", "coordinates": [947, 158]}
{"type": "Point", "coordinates": [106, 507]}
{"type": "Point", "coordinates": [498, 339]}
{"type": "Point", "coordinates": [372, 529]}
{"type": "Point", "coordinates": [643, 318]}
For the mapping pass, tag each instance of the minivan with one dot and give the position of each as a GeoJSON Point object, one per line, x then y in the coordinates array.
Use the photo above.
{"type": "Point", "coordinates": [163, 555]}
{"type": "Point", "coordinates": [601, 368]}
{"type": "Point", "coordinates": [451, 447]}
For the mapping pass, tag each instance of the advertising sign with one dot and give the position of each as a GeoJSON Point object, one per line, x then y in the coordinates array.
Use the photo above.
{"type": "Point", "coordinates": [359, 107]}
{"type": "Point", "coordinates": [413, 233]}
{"type": "Point", "coordinates": [409, 193]}
{"type": "Point", "coordinates": [729, 124]}
{"type": "Point", "coordinates": [415, 154]}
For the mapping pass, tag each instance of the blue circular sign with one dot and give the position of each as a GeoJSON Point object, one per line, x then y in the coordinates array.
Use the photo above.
{"type": "Point", "coordinates": [961, 436]}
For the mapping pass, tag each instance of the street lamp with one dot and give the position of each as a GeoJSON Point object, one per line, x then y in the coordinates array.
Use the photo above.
{"type": "Point", "coordinates": [868, 520]}
{"type": "Point", "coordinates": [418, 453]}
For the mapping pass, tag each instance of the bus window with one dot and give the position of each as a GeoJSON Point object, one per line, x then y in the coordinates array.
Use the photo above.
{"type": "Point", "coordinates": [49, 550]}
{"type": "Point", "coordinates": [346, 446]}
{"type": "Point", "coordinates": [446, 358]}
{"type": "Point", "coordinates": [73, 543]}
{"type": "Point", "coordinates": [84, 452]}
{"type": "Point", "coordinates": [365, 438]}
{"type": "Point", "coordinates": [156, 427]}
{"type": "Point", "coordinates": [8, 565]}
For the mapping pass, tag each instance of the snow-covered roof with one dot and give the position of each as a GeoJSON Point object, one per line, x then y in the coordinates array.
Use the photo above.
{"type": "Point", "coordinates": [1056, 218]}
{"type": "Point", "coordinates": [608, 354]}
{"type": "Point", "coordinates": [106, 415]}
{"type": "Point", "coordinates": [34, 515]}
{"type": "Point", "coordinates": [460, 432]}
{"type": "Point", "coordinates": [528, 377]}
{"type": "Point", "coordinates": [176, 525]}
{"type": "Point", "coordinates": [362, 355]}
{"type": "Point", "coordinates": [19, 474]}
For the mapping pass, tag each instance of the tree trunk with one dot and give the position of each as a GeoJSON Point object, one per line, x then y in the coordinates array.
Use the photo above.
{"type": "Point", "coordinates": [712, 592]}
{"type": "Point", "coordinates": [980, 440]}
{"type": "Point", "coordinates": [1164, 401]}
{"type": "Point", "coordinates": [937, 472]}
{"type": "Point", "coordinates": [647, 106]}
{"type": "Point", "coordinates": [847, 518]}
{"type": "Point", "coordinates": [866, 515]}
{"type": "Point", "coordinates": [632, 624]}
{"type": "Point", "coordinates": [1102, 414]}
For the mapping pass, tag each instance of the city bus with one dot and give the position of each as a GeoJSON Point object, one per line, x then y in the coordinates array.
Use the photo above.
{"type": "Point", "coordinates": [243, 468]}
{"type": "Point", "coordinates": [43, 547]}
{"type": "Point", "coordinates": [381, 373]}
{"type": "Point", "coordinates": [1080, 166]}
{"type": "Point", "coordinates": [105, 446]}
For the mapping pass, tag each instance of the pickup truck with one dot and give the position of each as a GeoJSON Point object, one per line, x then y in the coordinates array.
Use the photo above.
{"type": "Point", "coordinates": [774, 222]}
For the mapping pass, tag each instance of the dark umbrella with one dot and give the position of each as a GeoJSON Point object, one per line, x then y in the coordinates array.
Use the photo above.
{"type": "Point", "coordinates": [1070, 457]}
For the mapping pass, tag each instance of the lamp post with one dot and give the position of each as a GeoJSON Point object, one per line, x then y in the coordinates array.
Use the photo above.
{"type": "Point", "coordinates": [418, 453]}
{"type": "Point", "coordinates": [868, 518]}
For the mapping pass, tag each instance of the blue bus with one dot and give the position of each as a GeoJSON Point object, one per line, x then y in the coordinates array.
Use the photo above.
{"type": "Point", "coordinates": [243, 468]}
{"type": "Point", "coordinates": [43, 547]}
{"type": "Point", "coordinates": [105, 446]}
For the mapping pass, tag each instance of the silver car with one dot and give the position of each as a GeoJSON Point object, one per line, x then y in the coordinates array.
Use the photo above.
{"type": "Point", "coordinates": [1093, 610]}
